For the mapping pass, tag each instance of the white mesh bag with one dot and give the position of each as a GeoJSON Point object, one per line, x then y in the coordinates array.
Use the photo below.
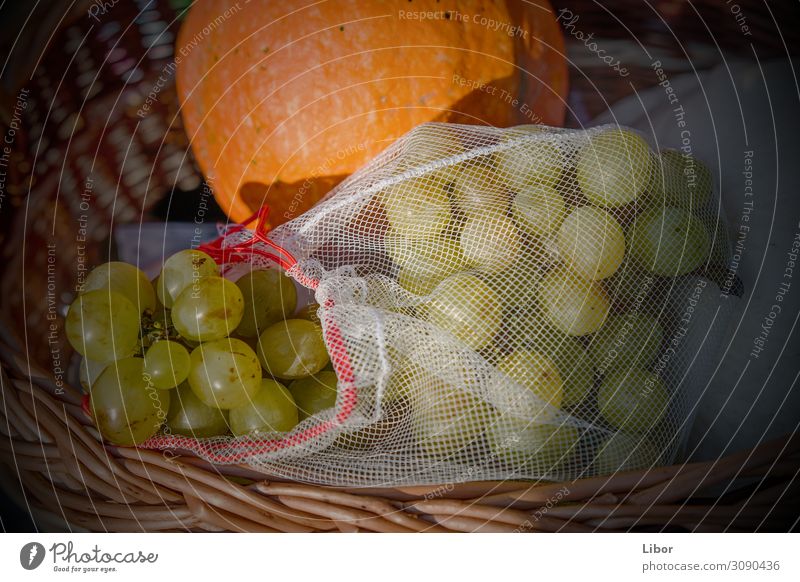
{"type": "Point", "coordinates": [498, 303]}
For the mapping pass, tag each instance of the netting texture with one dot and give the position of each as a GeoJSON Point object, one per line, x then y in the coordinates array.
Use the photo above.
{"type": "Point", "coordinates": [501, 304]}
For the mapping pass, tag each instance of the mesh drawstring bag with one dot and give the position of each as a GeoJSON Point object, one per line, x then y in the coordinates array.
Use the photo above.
{"type": "Point", "coordinates": [497, 303]}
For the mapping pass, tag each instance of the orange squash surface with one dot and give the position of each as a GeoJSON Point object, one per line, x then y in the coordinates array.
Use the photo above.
{"type": "Point", "coordinates": [284, 99]}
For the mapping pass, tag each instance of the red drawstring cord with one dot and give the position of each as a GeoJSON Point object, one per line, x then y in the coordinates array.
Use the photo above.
{"type": "Point", "coordinates": [243, 252]}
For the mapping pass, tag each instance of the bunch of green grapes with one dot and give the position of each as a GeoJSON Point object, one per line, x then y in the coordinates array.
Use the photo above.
{"type": "Point", "coordinates": [547, 286]}
{"type": "Point", "coordinates": [197, 355]}
{"type": "Point", "coordinates": [544, 264]}
{"type": "Point", "coordinates": [541, 265]}
{"type": "Point", "coordinates": [475, 215]}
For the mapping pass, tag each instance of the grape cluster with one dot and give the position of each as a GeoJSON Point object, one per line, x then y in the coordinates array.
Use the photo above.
{"type": "Point", "coordinates": [534, 255]}
{"type": "Point", "coordinates": [196, 354]}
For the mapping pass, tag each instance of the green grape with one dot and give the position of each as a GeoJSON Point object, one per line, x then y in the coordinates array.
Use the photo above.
{"type": "Point", "coordinates": [224, 373]}
{"type": "Point", "coordinates": [627, 340]}
{"type": "Point", "coordinates": [404, 380]}
{"type": "Point", "coordinates": [309, 312]}
{"type": "Point", "coordinates": [629, 285]}
{"type": "Point", "coordinates": [417, 207]}
{"type": "Point", "coordinates": [271, 410]}
{"type": "Point", "coordinates": [89, 372]}
{"type": "Point", "coordinates": [625, 452]}
{"type": "Point", "coordinates": [189, 416]}
{"type": "Point", "coordinates": [539, 209]}
{"type": "Point", "coordinates": [591, 242]}
{"type": "Point", "coordinates": [292, 349]}
{"type": "Point", "coordinates": [680, 180]}
{"type": "Point", "coordinates": [180, 271]}
{"type": "Point", "coordinates": [529, 161]}
{"type": "Point", "coordinates": [572, 304]}
{"type": "Point", "coordinates": [527, 329]}
{"type": "Point", "coordinates": [614, 167]}
{"type": "Point", "coordinates": [209, 309]}
{"type": "Point", "coordinates": [490, 242]}
{"type": "Point", "coordinates": [126, 280]}
{"type": "Point", "coordinates": [167, 363]}
{"type": "Point", "coordinates": [431, 258]}
{"type": "Point", "coordinates": [428, 143]}
{"type": "Point", "coordinates": [269, 296]}
{"type": "Point", "coordinates": [103, 325]}
{"type": "Point", "coordinates": [476, 188]}
{"type": "Point", "coordinates": [668, 241]}
{"type": "Point", "coordinates": [252, 343]}
{"type": "Point", "coordinates": [633, 399]}
{"type": "Point", "coordinates": [516, 285]}
{"type": "Point", "coordinates": [530, 445]}
{"type": "Point", "coordinates": [446, 420]}
{"type": "Point", "coordinates": [525, 326]}
{"type": "Point", "coordinates": [315, 393]}
{"type": "Point", "coordinates": [571, 359]}
{"type": "Point", "coordinates": [415, 284]}
{"type": "Point", "coordinates": [466, 307]}
{"type": "Point", "coordinates": [536, 372]}
{"type": "Point", "coordinates": [126, 409]}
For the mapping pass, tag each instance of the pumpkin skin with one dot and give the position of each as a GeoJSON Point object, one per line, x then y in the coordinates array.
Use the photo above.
{"type": "Point", "coordinates": [282, 100]}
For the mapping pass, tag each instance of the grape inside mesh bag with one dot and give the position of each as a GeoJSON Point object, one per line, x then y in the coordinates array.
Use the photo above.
{"type": "Point", "coordinates": [497, 303]}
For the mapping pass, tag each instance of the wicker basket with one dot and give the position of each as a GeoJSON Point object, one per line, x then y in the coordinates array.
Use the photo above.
{"type": "Point", "coordinates": [69, 476]}
{"type": "Point", "coordinates": [70, 480]}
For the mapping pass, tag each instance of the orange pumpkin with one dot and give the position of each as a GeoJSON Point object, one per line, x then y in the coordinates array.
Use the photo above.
{"type": "Point", "coordinates": [282, 100]}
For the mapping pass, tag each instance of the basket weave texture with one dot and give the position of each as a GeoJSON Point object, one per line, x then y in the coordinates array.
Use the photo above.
{"type": "Point", "coordinates": [71, 478]}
